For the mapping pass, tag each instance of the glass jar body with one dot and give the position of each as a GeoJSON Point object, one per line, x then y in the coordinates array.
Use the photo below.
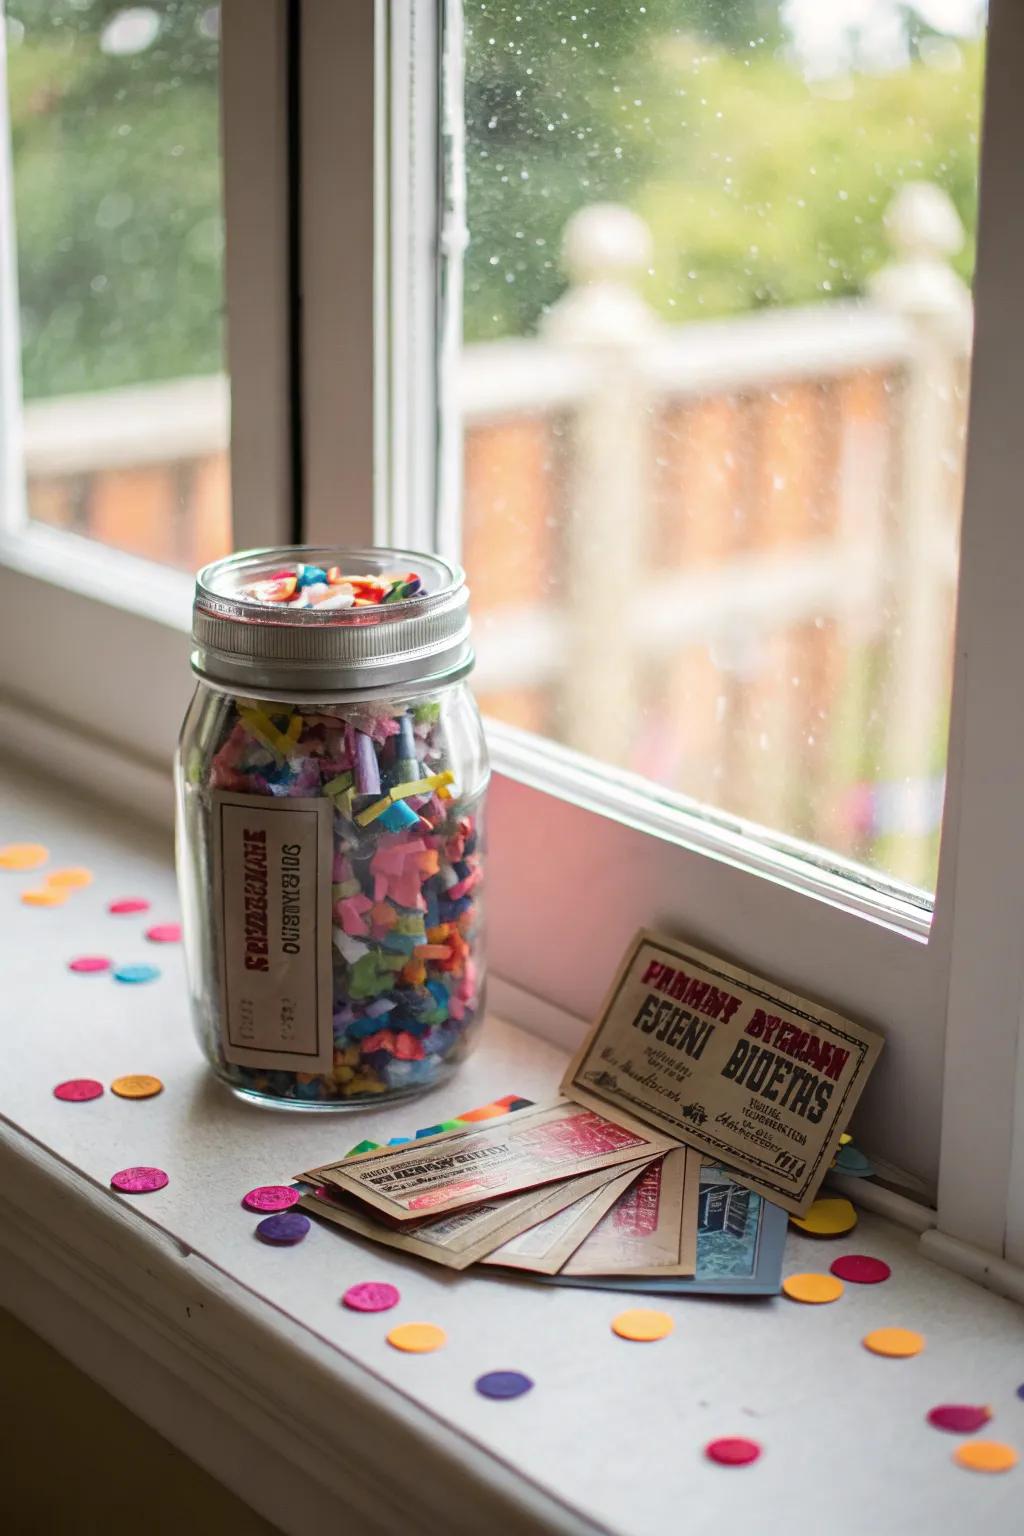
{"type": "Point", "coordinates": [330, 859]}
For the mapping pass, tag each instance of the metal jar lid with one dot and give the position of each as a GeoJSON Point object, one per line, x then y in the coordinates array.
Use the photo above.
{"type": "Point", "coordinates": [276, 649]}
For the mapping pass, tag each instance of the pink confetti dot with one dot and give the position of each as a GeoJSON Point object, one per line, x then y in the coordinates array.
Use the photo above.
{"type": "Point", "coordinates": [860, 1268]}
{"type": "Point", "coordinates": [959, 1418]}
{"type": "Point", "coordinates": [86, 965]}
{"type": "Point", "coordinates": [77, 1090]}
{"type": "Point", "coordinates": [270, 1197]}
{"type": "Point", "coordinates": [372, 1296]}
{"type": "Point", "coordinates": [128, 904]}
{"type": "Point", "coordinates": [138, 1181]}
{"type": "Point", "coordinates": [732, 1452]}
{"type": "Point", "coordinates": [164, 933]}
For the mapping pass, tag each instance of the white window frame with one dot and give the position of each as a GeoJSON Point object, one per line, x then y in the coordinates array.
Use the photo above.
{"type": "Point", "coordinates": [583, 855]}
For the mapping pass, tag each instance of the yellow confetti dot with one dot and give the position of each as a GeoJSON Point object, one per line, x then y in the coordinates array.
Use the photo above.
{"type": "Point", "coordinates": [896, 1343]}
{"type": "Point", "coordinates": [642, 1325]}
{"type": "Point", "coordinates": [72, 879]}
{"type": "Point", "coordinates": [417, 1338]}
{"type": "Point", "coordinates": [136, 1087]}
{"type": "Point", "coordinates": [845, 1139]}
{"type": "Point", "coordinates": [812, 1288]}
{"type": "Point", "coordinates": [827, 1218]}
{"type": "Point", "coordinates": [48, 896]}
{"type": "Point", "coordinates": [985, 1456]}
{"type": "Point", "coordinates": [23, 856]}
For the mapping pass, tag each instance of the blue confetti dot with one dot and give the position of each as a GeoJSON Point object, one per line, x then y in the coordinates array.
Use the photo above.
{"type": "Point", "coordinates": [503, 1384]}
{"type": "Point", "coordinates": [136, 973]}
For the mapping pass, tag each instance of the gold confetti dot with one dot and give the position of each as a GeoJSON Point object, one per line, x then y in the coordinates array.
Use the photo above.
{"type": "Point", "coordinates": [48, 896]}
{"type": "Point", "coordinates": [23, 856]}
{"type": "Point", "coordinates": [985, 1456]}
{"type": "Point", "coordinates": [827, 1218]}
{"type": "Point", "coordinates": [896, 1343]}
{"type": "Point", "coordinates": [138, 1086]}
{"type": "Point", "coordinates": [72, 879]}
{"type": "Point", "coordinates": [812, 1288]}
{"type": "Point", "coordinates": [417, 1338]}
{"type": "Point", "coordinates": [642, 1325]}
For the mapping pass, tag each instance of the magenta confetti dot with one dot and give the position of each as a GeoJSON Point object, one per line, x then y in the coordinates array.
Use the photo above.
{"type": "Point", "coordinates": [86, 965]}
{"type": "Point", "coordinates": [127, 905]}
{"type": "Point", "coordinates": [733, 1452]}
{"type": "Point", "coordinates": [270, 1197]}
{"type": "Point", "coordinates": [860, 1268]}
{"type": "Point", "coordinates": [372, 1296]}
{"type": "Point", "coordinates": [78, 1090]}
{"type": "Point", "coordinates": [287, 1228]}
{"type": "Point", "coordinates": [139, 1181]}
{"type": "Point", "coordinates": [959, 1418]}
{"type": "Point", "coordinates": [164, 933]}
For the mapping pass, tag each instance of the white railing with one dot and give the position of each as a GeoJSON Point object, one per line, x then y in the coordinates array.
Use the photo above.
{"type": "Point", "coordinates": [606, 369]}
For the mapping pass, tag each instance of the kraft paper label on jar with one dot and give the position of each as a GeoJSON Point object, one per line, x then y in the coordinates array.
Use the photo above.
{"type": "Point", "coordinates": [272, 887]}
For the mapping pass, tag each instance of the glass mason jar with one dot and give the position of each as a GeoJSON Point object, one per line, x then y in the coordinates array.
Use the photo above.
{"type": "Point", "coordinates": [330, 780]}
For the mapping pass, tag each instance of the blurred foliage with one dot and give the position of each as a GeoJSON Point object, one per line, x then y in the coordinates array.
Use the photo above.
{"type": "Point", "coordinates": [117, 195]}
{"type": "Point", "coordinates": [760, 187]}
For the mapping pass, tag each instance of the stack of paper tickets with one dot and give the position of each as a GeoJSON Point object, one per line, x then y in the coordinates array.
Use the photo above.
{"type": "Point", "coordinates": [552, 1189]}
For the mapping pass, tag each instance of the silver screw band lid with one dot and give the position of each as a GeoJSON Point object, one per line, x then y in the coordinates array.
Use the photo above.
{"type": "Point", "coordinates": [276, 647]}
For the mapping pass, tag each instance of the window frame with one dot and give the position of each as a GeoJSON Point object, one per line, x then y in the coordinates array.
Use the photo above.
{"type": "Point", "coordinates": [334, 395]}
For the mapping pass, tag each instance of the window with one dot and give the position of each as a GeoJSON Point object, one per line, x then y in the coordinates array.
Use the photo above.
{"type": "Point", "coordinates": [119, 239]}
{"type": "Point", "coordinates": [458, 317]}
{"type": "Point", "coordinates": [713, 389]}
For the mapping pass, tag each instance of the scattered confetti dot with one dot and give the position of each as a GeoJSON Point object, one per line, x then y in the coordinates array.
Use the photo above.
{"type": "Point", "coordinates": [77, 1090]}
{"type": "Point", "coordinates": [985, 1456]}
{"type": "Point", "coordinates": [852, 1161]}
{"type": "Point", "coordinates": [125, 905]}
{"type": "Point", "coordinates": [139, 1181]}
{"type": "Point", "coordinates": [417, 1338]}
{"type": "Point", "coordinates": [270, 1197]}
{"type": "Point", "coordinates": [827, 1218]}
{"type": "Point", "coordinates": [732, 1452]}
{"type": "Point", "coordinates": [861, 1269]}
{"type": "Point", "coordinates": [897, 1343]}
{"type": "Point", "coordinates": [1020, 1390]}
{"type": "Point", "coordinates": [845, 1139]}
{"type": "Point", "coordinates": [812, 1288]}
{"type": "Point", "coordinates": [138, 1086]}
{"type": "Point", "coordinates": [503, 1384]}
{"type": "Point", "coordinates": [70, 879]}
{"type": "Point", "coordinates": [287, 1228]}
{"type": "Point", "coordinates": [136, 973]}
{"type": "Point", "coordinates": [164, 933]}
{"type": "Point", "coordinates": [22, 856]}
{"type": "Point", "coordinates": [88, 965]}
{"type": "Point", "coordinates": [642, 1325]}
{"type": "Point", "coordinates": [47, 896]}
{"type": "Point", "coordinates": [372, 1296]}
{"type": "Point", "coordinates": [959, 1418]}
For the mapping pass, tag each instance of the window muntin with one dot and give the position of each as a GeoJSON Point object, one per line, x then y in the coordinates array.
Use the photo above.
{"type": "Point", "coordinates": [116, 174]}
{"type": "Point", "coordinates": [712, 395]}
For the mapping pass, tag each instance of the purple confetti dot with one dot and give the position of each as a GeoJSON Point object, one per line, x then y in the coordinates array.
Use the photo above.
{"type": "Point", "coordinates": [287, 1228]}
{"type": "Point", "coordinates": [503, 1384]}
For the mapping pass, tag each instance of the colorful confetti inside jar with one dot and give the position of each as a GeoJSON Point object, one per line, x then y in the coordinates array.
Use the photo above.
{"type": "Point", "coordinates": [331, 776]}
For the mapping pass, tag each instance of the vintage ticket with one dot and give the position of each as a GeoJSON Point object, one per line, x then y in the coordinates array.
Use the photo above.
{"type": "Point", "coordinates": [463, 1237]}
{"type": "Point", "coordinates": [543, 1248]}
{"type": "Point", "coordinates": [652, 1227]}
{"type": "Point", "coordinates": [755, 1076]}
{"type": "Point", "coordinates": [483, 1162]}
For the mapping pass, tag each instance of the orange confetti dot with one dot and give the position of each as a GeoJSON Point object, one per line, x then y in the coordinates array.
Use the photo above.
{"type": "Point", "coordinates": [23, 856]}
{"type": "Point", "coordinates": [812, 1288]}
{"type": "Point", "coordinates": [642, 1325]}
{"type": "Point", "coordinates": [417, 1338]}
{"type": "Point", "coordinates": [48, 896]}
{"type": "Point", "coordinates": [985, 1456]}
{"type": "Point", "coordinates": [73, 878]}
{"type": "Point", "coordinates": [138, 1086]}
{"type": "Point", "coordinates": [896, 1343]}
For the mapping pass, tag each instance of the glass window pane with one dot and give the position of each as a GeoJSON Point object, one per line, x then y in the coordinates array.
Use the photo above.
{"type": "Point", "coordinates": [713, 395]}
{"type": "Point", "coordinates": [113, 114]}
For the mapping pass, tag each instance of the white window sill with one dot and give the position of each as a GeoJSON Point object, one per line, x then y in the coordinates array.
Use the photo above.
{"type": "Point", "coordinates": [244, 1358]}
